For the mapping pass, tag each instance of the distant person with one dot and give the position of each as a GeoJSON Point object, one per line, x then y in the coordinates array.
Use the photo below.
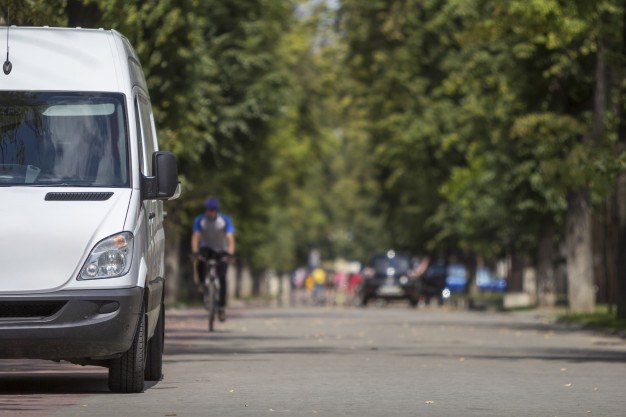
{"type": "Point", "coordinates": [354, 281]}
{"type": "Point", "coordinates": [319, 279]}
{"type": "Point", "coordinates": [432, 273]}
{"type": "Point", "coordinates": [309, 286]}
{"type": "Point", "coordinates": [341, 287]}
{"type": "Point", "coordinates": [214, 231]}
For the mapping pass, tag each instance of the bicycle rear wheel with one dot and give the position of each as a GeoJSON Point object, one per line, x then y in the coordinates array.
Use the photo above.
{"type": "Point", "coordinates": [212, 304]}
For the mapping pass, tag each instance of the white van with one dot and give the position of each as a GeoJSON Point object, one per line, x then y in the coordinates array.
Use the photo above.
{"type": "Point", "coordinates": [81, 211]}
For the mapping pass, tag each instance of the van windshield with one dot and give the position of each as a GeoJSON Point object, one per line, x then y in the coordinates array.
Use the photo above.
{"type": "Point", "coordinates": [63, 139]}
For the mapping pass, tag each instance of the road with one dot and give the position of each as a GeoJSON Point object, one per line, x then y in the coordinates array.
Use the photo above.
{"type": "Point", "coordinates": [379, 361]}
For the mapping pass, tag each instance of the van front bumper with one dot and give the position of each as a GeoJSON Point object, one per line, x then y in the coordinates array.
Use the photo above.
{"type": "Point", "coordinates": [69, 325]}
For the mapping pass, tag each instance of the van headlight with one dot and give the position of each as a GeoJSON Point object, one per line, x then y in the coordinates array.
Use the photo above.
{"type": "Point", "coordinates": [110, 258]}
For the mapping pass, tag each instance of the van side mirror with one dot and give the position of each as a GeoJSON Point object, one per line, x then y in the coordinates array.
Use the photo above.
{"type": "Point", "coordinates": [163, 184]}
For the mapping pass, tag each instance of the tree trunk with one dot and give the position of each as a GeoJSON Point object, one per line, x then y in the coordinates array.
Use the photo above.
{"type": "Point", "coordinates": [620, 192]}
{"type": "Point", "coordinates": [257, 278]}
{"type": "Point", "coordinates": [599, 251]}
{"type": "Point", "coordinates": [238, 277]}
{"type": "Point", "coordinates": [579, 239]}
{"type": "Point", "coordinates": [172, 265]}
{"type": "Point", "coordinates": [611, 254]}
{"type": "Point", "coordinates": [620, 297]}
{"type": "Point", "coordinates": [546, 282]}
{"type": "Point", "coordinates": [469, 259]}
{"type": "Point", "coordinates": [516, 276]}
{"type": "Point", "coordinates": [580, 288]}
{"type": "Point", "coordinates": [83, 15]}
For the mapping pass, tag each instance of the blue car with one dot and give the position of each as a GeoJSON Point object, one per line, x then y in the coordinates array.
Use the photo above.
{"type": "Point", "coordinates": [486, 281]}
{"type": "Point", "coordinates": [456, 279]}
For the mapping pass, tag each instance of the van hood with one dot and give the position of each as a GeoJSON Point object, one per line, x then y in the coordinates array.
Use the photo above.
{"type": "Point", "coordinates": [47, 233]}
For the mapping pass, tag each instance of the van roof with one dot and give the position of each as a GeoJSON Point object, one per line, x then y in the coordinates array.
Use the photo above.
{"type": "Point", "coordinates": [69, 59]}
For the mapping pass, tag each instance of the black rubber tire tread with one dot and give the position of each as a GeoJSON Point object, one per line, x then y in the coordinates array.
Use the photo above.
{"type": "Point", "coordinates": [212, 306]}
{"type": "Point", "coordinates": [126, 373]}
{"type": "Point", "coordinates": [154, 360]}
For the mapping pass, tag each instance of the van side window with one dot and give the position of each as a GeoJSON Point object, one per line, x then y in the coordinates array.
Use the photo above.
{"type": "Point", "coordinates": [148, 134]}
{"type": "Point", "coordinates": [139, 145]}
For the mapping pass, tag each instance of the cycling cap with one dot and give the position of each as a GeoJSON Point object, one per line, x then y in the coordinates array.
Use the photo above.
{"type": "Point", "coordinates": [212, 203]}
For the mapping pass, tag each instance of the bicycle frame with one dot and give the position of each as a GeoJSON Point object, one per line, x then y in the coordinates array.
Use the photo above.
{"type": "Point", "coordinates": [211, 285]}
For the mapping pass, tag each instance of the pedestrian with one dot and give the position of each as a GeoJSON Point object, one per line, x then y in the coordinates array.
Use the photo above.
{"type": "Point", "coordinates": [319, 279]}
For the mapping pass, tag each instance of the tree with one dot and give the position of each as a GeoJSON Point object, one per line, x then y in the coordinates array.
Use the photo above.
{"type": "Point", "coordinates": [498, 100]}
{"type": "Point", "coordinates": [397, 50]}
{"type": "Point", "coordinates": [480, 127]}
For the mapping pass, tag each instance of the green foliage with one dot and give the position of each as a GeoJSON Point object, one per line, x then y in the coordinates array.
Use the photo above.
{"type": "Point", "coordinates": [319, 176]}
{"type": "Point", "coordinates": [168, 36]}
{"type": "Point", "coordinates": [397, 54]}
{"type": "Point", "coordinates": [33, 13]}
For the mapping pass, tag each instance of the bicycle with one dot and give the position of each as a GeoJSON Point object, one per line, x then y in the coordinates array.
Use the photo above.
{"type": "Point", "coordinates": [211, 284]}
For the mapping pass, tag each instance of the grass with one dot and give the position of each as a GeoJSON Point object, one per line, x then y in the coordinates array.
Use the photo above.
{"type": "Point", "coordinates": [602, 318]}
{"type": "Point", "coordinates": [478, 301]}
{"type": "Point", "coordinates": [481, 296]}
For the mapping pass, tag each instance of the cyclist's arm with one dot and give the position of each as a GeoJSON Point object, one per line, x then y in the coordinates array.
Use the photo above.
{"type": "Point", "coordinates": [230, 237]}
{"type": "Point", "coordinates": [422, 266]}
{"type": "Point", "coordinates": [230, 234]}
{"type": "Point", "coordinates": [195, 235]}
{"type": "Point", "coordinates": [195, 242]}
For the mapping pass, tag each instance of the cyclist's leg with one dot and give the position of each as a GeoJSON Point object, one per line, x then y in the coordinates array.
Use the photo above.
{"type": "Point", "coordinates": [222, 268]}
{"type": "Point", "coordinates": [201, 271]}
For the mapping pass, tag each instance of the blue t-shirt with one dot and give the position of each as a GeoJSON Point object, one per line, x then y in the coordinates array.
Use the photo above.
{"type": "Point", "coordinates": [213, 232]}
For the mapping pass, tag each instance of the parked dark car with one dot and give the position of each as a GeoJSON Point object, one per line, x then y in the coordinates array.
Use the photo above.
{"type": "Point", "coordinates": [389, 276]}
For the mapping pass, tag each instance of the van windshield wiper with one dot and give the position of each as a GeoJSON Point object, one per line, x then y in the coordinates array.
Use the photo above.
{"type": "Point", "coordinates": [60, 184]}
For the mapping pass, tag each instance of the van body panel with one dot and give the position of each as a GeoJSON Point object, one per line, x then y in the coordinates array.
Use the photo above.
{"type": "Point", "coordinates": [47, 311]}
{"type": "Point", "coordinates": [58, 60]}
{"type": "Point", "coordinates": [88, 324]}
{"type": "Point", "coordinates": [45, 243]}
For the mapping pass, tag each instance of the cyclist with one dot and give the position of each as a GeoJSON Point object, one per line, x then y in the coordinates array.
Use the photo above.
{"type": "Point", "coordinates": [214, 231]}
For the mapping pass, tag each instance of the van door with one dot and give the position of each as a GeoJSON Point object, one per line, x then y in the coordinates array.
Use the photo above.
{"type": "Point", "coordinates": [152, 212]}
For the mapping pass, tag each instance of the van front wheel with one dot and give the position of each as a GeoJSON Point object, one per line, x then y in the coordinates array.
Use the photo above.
{"type": "Point", "coordinates": [154, 362]}
{"type": "Point", "coordinates": [126, 373]}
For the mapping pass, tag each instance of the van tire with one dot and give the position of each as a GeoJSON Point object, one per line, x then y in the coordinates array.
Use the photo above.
{"type": "Point", "coordinates": [154, 361]}
{"type": "Point", "coordinates": [126, 373]}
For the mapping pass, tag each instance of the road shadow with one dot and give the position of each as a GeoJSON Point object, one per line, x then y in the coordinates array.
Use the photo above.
{"type": "Point", "coordinates": [33, 384]}
{"type": "Point", "coordinates": [573, 355]}
{"type": "Point", "coordinates": [38, 383]}
{"type": "Point", "coordinates": [36, 377]}
{"type": "Point", "coordinates": [242, 353]}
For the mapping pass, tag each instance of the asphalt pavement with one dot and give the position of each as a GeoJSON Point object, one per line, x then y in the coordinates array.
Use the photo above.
{"type": "Point", "coordinates": [336, 361]}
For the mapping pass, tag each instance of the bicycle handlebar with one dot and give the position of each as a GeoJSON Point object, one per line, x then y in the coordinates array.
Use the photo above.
{"type": "Point", "coordinates": [206, 256]}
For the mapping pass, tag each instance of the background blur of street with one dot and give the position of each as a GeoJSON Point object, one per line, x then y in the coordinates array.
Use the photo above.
{"type": "Point", "coordinates": [482, 140]}
{"type": "Point", "coordinates": [331, 361]}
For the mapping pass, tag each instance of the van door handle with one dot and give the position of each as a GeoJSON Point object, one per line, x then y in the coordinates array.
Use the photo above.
{"type": "Point", "coordinates": [151, 216]}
